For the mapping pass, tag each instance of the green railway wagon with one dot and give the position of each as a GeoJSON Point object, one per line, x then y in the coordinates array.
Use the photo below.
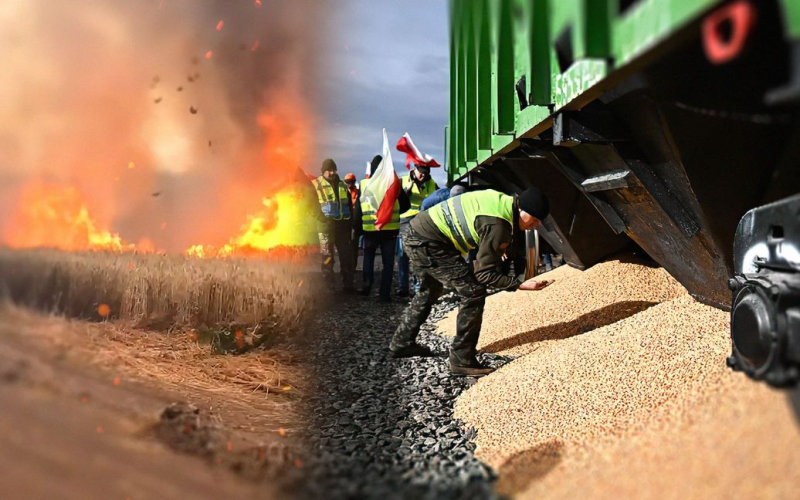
{"type": "Point", "coordinates": [655, 124]}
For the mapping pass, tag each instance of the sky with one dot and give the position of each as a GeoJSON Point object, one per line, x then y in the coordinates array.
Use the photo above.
{"type": "Point", "coordinates": [388, 67]}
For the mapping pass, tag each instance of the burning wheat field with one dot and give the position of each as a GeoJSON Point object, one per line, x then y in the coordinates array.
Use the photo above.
{"type": "Point", "coordinates": [156, 233]}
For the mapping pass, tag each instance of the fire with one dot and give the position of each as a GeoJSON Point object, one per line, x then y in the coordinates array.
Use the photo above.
{"type": "Point", "coordinates": [188, 143]}
{"type": "Point", "coordinates": [285, 224]}
{"type": "Point", "coordinates": [57, 217]}
{"type": "Point", "coordinates": [285, 221]}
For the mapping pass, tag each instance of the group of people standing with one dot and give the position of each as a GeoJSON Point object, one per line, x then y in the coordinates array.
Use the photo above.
{"type": "Point", "coordinates": [433, 230]}
{"type": "Point", "coordinates": [347, 223]}
{"type": "Point", "coordinates": [482, 223]}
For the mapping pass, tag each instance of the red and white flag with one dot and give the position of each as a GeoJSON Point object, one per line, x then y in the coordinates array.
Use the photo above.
{"type": "Point", "coordinates": [383, 188]}
{"type": "Point", "coordinates": [407, 146]}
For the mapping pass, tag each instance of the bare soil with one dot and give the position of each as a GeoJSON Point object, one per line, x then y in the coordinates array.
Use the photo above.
{"type": "Point", "coordinates": [105, 411]}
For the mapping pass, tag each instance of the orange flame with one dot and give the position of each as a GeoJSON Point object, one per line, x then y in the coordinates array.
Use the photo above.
{"type": "Point", "coordinates": [286, 220]}
{"type": "Point", "coordinates": [57, 217]}
{"type": "Point", "coordinates": [283, 226]}
{"type": "Point", "coordinates": [286, 223]}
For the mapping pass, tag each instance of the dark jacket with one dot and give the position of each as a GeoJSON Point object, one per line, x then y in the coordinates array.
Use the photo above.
{"type": "Point", "coordinates": [496, 237]}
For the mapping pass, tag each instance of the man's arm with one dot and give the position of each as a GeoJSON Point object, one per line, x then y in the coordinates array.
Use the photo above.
{"type": "Point", "coordinates": [435, 198]}
{"type": "Point", "coordinates": [404, 201]}
{"type": "Point", "coordinates": [406, 183]}
{"type": "Point", "coordinates": [358, 215]}
{"type": "Point", "coordinates": [317, 214]}
{"type": "Point", "coordinates": [495, 237]}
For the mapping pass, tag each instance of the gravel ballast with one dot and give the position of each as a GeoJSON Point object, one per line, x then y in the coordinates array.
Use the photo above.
{"type": "Point", "coordinates": [644, 407]}
{"type": "Point", "coordinates": [517, 323]}
{"type": "Point", "coordinates": [380, 427]}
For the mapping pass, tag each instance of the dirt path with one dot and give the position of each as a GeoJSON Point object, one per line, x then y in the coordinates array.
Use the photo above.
{"type": "Point", "coordinates": [92, 428]}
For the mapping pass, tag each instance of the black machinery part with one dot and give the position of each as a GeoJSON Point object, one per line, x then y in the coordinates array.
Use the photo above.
{"type": "Point", "coordinates": [765, 312]}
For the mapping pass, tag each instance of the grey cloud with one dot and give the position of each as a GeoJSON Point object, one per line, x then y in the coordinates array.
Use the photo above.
{"type": "Point", "coordinates": [399, 52]}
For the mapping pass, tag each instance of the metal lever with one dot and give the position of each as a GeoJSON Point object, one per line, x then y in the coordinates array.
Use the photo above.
{"type": "Point", "coordinates": [531, 253]}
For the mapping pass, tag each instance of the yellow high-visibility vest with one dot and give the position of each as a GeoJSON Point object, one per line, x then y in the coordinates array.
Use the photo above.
{"type": "Point", "coordinates": [455, 218]}
{"type": "Point", "coordinates": [369, 214]}
{"type": "Point", "coordinates": [417, 194]}
{"type": "Point", "coordinates": [332, 208]}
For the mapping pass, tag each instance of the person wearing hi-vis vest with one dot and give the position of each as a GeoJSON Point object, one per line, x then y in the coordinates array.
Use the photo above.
{"type": "Point", "coordinates": [436, 242]}
{"type": "Point", "coordinates": [416, 185]}
{"type": "Point", "coordinates": [335, 225]}
{"type": "Point", "coordinates": [374, 238]}
{"type": "Point", "coordinates": [352, 188]}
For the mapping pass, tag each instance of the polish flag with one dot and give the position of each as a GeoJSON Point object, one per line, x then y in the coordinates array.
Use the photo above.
{"type": "Point", "coordinates": [384, 187]}
{"type": "Point", "coordinates": [406, 145]}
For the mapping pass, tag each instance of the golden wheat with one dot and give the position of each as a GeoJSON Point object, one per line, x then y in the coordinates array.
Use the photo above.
{"type": "Point", "coordinates": [157, 291]}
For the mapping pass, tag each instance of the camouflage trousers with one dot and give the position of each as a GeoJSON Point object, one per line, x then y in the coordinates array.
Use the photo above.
{"type": "Point", "coordinates": [437, 265]}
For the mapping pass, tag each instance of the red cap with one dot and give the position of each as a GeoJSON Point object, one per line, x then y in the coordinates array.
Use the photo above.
{"type": "Point", "coordinates": [350, 177]}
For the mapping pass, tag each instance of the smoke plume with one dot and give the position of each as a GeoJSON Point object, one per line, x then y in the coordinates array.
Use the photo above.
{"type": "Point", "coordinates": [171, 118]}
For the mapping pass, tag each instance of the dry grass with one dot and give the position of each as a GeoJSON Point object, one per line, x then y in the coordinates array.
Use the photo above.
{"type": "Point", "coordinates": [176, 296]}
{"type": "Point", "coordinates": [257, 387]}
{"type": "Point", "coordinates": [156, 291]}
{"type": "Point", "coordinates": [248, 418]}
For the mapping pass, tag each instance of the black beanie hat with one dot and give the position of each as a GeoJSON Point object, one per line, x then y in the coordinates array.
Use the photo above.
{"type": "Point", "coordinates": [533, 201]}
{"type": "Point", "coordinates": [328, 164]}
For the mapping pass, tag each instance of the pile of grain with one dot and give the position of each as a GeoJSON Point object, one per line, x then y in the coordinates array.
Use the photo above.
{"type": "Point", "coordinates": [737, 439]}
{"type": "Point", "coordinates": [634, 409]}
{"type": "Point", "coordinates": [575, 303]}
{"type": "Point", "coordinates": [509, 300]}
{"type": "Point", "coordinates": [160, 291]}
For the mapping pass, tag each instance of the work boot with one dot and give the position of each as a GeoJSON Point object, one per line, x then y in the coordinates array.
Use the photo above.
{"type": "Point", "coordinates": [470, 371]}
{"type": "Point", "coordinates": [412, 351]}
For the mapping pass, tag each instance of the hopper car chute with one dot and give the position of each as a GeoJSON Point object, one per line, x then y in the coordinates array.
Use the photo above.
{"type": "Point", "coordinates": [656, 124]}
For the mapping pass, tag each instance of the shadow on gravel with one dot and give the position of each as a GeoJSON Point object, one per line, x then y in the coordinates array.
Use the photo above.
{"type": "Point", "coordinates": [586, 323]}
{"type": "Point", "coordinates": [380, 427]}
{"type": "Point", "coordinates": [525, 467]}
